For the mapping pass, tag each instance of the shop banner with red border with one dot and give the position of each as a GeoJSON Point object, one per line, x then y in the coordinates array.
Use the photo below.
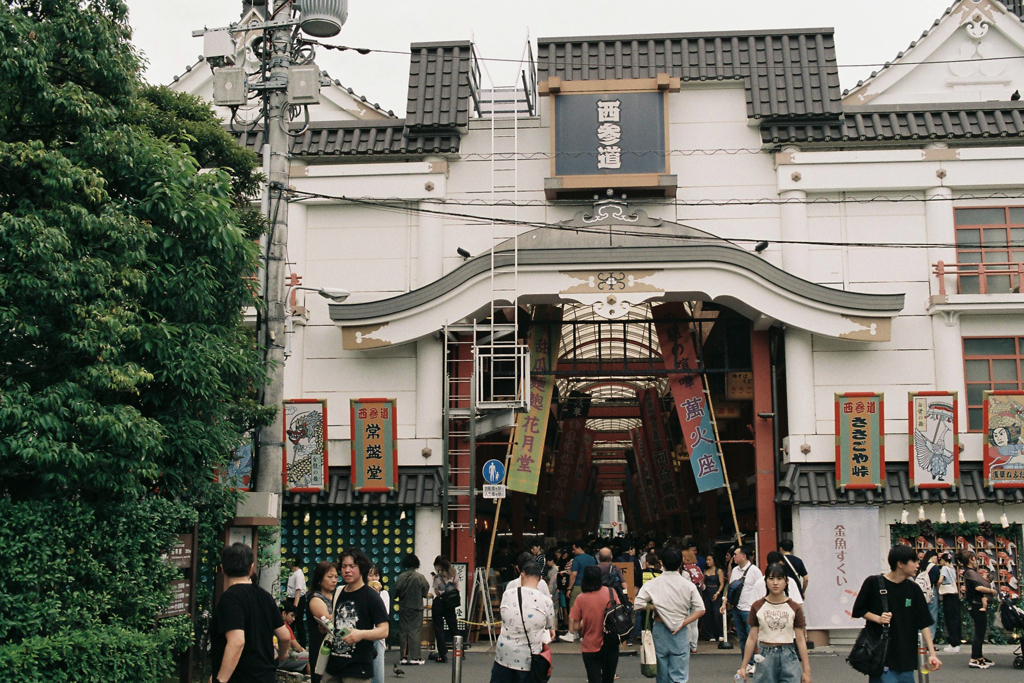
{"type": "Point", "coordinates": [1004, 452]}
{"type": "Point", "coordinates": [374, 444]}
{"type": "Point", "coordinates": [860, 440]}
{"type": "Point", "coordinates": [304, 455]}
{"type": "Point", "coordinates": [653, 421]}
{"type": "Point", "coordinates": [532, 426]}
{"type": "Point", "coordinates": [648, 490]}
{"type": "Point", "coordinates": [934, 439]}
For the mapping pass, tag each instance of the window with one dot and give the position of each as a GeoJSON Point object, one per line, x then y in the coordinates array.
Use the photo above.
{"type": "Point", "coordinates": [992, 236]}
{"type": "Point", "coordinates": [990, 363]}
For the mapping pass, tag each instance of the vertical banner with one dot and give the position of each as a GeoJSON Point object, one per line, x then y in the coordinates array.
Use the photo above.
{"type": "Point", "coordinates": [860, 440]}
{"type": "Point", "coordinates": [374, 444]}
{"type": "Point", "coordinates": [581, 477]}
{"type": "Point", "coordinates": [1004, 453]}
{"type": "Point", "coordinates": [305, 445]}
{"type": "Point", "coordinates": [532, 426]}
{"type": "Point", "coordinates": [238, 473]}
{"type": "Point", "coordinates": [648, 490]}
{"type": "Point", "coordinates": [841, 546]}
{"type": "Point", "coordinates": [570, 443]}
{"type": "Point", "coordinates": [661, 450]}
{"type": "Point", "coordinates": [934, 439]}
{"type": "Point", "coordinates": [688, 395]}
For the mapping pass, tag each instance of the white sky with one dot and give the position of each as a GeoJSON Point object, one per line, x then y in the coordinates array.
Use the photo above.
{"type": "Point", "coordinates": [867, 31]}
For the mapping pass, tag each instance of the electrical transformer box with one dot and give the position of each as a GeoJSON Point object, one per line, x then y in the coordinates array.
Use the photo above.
{"type": "Point", "coordinates": [304, 84]}
{"type": "Point", "coordinates": [229, 86]}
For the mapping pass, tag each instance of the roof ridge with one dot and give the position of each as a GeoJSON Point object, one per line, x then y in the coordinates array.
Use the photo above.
{"type": "Point", "coordinates": [693, 34]}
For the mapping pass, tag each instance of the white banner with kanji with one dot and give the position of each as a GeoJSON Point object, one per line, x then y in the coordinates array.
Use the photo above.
{"type": "Point", "coordinates": [839, 547]}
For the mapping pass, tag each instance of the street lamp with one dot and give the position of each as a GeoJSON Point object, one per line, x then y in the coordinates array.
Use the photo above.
{"type": "Point", "coordinates": [335, 294]}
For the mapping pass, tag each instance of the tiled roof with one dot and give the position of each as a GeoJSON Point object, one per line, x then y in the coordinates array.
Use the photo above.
{"type": "Point", "coordinates": [361, 138]}
{"type": "Point", "coordinates": [815, 484]}
{"type": "Point", "coordinates": [787, 74]}
{"type": "Point", "coordinates": [417, 485]}
{"type": "Point", "coordinates": [443, 85]}
{"type": "Point", "coordinates": [891, 124]}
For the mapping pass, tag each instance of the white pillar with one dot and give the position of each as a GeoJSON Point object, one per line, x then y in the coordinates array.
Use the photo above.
{"type": "Point", "coordinates": [796, 258]}
{"type": "Point", "coordinates": [946, 335]}
{"type": "Point", "coordinates": [799, 389]}
{"type": "Point", "coordinates": [429, 244]}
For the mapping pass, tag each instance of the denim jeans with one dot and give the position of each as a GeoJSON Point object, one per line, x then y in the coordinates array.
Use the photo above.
{"type": "Point", "coordinates": [673, 653]}
{"type": "Point", "coordinates": [739, 620]}
{"type": "Point", "coordinates": [781, 664]}
{"type": "Point", "coordinates": [890, 676]}
{"type": "Point", "coordinates": [933, 609]}
{"type": "Point", "coordinates": [694, 635]}
{"type": "Point", "coordinates": [378, 662]}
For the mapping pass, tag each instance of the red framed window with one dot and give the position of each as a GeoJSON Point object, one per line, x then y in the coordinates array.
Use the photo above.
{"type": "Point", "coordinates": [990, 363]}
{"type": "Point", "coordinates": [993, 236]}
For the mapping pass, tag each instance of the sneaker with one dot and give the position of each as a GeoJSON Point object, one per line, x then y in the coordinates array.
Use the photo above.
{"type": "Point", "coordinates": [952, 649]}
{"type": "Point", "coordinates": [403, 661]}
{"type": "Point", "coordinates": [415, 662]}
{"type": "Point", "coordinates": [977, 664]}
{"type": "Point", "coordinates": [693, 650]}
{"type": "Point", "coordinates": [988, 662]}
{"type": "Point", "coordinates": [567, 637]}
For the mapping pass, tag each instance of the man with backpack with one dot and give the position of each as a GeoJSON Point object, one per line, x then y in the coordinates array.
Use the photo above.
{"type": "Point", "coordinates": [677, 603]}
{"type": "Point", "coordinates": [746, 584]}
{"type": "Point", "coordinates": [610, 574]}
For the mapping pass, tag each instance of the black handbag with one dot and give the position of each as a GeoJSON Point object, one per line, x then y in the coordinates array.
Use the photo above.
{"type": "Point", "coordinates": [870, 650]}
{"type": "Point", "coordinates": [540, 664]}
{"type": "Point", "coordinates": [618, 617]}
{"type": "Point", "coordinates": [735, 590]}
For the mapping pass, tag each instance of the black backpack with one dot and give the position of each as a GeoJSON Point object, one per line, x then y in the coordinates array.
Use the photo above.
{"type": "Point", "coordinates": [618, 618]}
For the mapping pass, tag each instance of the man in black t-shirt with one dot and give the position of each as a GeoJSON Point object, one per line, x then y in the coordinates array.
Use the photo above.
{"type": "Point", "coordinates": [244, 624]}
{"type": "Point", "coordinates": [359, 619]}
{"type": "Point", "coordinates": [907, 614]}
{"type": "Point", "coordinates": [794, 566]}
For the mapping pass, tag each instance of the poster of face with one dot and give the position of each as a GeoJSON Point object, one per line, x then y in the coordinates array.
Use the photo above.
{"type": "Point", "coordinates": [934, 440]}
{"type": "Point", "coordinates": [997, 554]}
{"type": "Point", "coordinates": [1004, 453]}
{"type": "Point", "coordinates": [305, 445]}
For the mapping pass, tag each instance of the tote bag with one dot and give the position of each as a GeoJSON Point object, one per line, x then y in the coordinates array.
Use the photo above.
{"type": "Point", "coordinates": [648, 657]}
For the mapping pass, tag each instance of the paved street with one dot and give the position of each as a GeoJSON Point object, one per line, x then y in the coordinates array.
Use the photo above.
{"type": "Point", "coordinates": [826, 667]}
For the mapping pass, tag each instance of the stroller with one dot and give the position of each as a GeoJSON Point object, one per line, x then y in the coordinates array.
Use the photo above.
{"type": "Point", "coordinates": [1012, 618]}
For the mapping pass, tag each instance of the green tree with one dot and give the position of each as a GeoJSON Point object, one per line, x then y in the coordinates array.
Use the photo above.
{"type": "Point", "coordinates": [126, 375]}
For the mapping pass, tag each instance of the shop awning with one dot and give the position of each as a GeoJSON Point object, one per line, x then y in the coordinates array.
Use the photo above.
{"type": "Point", "coordinates": [417, 485]}
{"type": "Point", "coordinates": [815, 484]}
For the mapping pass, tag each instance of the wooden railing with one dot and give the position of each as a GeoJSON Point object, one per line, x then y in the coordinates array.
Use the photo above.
{"type": "Point", "coordinates": [974, 278]}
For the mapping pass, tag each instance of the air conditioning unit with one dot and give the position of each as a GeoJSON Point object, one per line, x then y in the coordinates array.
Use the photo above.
{"type": "Point", "coordinates": [229, 86]}
{"type": "Point", "coordinates": [304, 84]}
{"type": "Point", "coordinates": [323, 18]}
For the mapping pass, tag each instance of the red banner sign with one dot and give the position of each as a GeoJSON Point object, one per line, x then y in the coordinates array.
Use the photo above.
{"type": "Point", "coordinates": [661, 450]}
{"type": "Point", "coordinates": [647, 492]}
{"type": "Point", "coordinates": [570, 444]}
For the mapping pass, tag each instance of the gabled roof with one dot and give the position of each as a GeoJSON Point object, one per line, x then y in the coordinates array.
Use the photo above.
{"type": "Point", "coordinates": [787, 74]}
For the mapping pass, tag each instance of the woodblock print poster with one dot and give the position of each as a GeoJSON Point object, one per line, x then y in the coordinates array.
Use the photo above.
{"type": "Point", "coordinates": [934, 440]}
{"type": "Point", "coordinates": [305, 445]}
{"type": "Point", "coordinates": [1004, 452]}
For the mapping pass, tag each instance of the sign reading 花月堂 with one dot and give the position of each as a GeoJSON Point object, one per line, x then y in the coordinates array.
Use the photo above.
{"type": "Point", "coordinates": [610, 133]}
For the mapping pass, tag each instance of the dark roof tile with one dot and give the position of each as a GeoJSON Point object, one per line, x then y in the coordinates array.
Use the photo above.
{"type": "Point", "coordinates": [443, 84]}
{"type": "Point", "coordinates": [417, 485]}
{"type": "Point", "coordinates": [361, 138]}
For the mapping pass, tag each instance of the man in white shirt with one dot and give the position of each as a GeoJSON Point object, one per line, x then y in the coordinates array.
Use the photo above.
{"type": "Point", "coordinates": [295, 590]}
{"type": "Point", "coordinates": [753, 589]}
{"type": "Point", "coordinates": [677, 604]}
{"type": "Point", "coordinates": [521, 562]}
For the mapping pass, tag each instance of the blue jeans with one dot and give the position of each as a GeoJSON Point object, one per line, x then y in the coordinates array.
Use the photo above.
{"type": "Point", "coordinates": [890, 676]}
{"type": "Point", "coordinates": [739, 620]}
{"type": "Point", "coordinates": [781, 664]}
{"type": "Point", "coordinates": [673, 654]}
{"type": "Point", "coordinates": [933, 609]}
{"type": "Point", "coordinates": [378, 662]}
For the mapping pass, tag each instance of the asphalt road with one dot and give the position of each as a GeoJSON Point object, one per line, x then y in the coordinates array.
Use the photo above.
{"type": "Point", "coordinates": [826, 667]}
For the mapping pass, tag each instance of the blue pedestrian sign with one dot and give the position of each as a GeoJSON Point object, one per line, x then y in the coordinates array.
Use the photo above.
{"type": "Point", "coordinates": [494, 472]}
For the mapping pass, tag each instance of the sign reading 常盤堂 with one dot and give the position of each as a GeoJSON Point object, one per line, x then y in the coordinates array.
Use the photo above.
{"type": "Point", "coordinates": [374, 444]}
{"type": "Point", "coordinates": [860, 440]}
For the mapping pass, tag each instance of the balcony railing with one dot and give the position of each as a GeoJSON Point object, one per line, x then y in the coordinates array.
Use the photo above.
{"type": "Point", "coordinates": [981, 278]}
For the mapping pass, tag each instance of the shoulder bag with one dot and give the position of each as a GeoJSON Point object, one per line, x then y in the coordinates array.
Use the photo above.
{"type": "Point", "coordinates": [648, 655]}
{"type": "Point", "coordinates": [870, 650]}
{"type": "Point", "coordinates": [540, 664]}
{"type": "Point", "coordinates": [736, 588]}
{"type": "Point", "coordinates": [799, 586]}
{"type": "Point", "coordinates": [618, 616]}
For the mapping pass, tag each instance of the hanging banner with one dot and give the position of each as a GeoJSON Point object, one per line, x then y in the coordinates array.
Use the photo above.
{"type": "Point", "coordinates": [840, 545]}
{"type": "Point", "coordinates": [374, 444]}
{"type": "Point", "coordinates": [687, 388]}
{"type": "Point", "coordinates": [860, 440]}
{"type": "Point", "coordinates": [653, 422]}
{"type": "Point", "coordinates": [581, 477]}
{"type": "Point", "coordinates": [532, 426]}
{"type": "Point", "coordinates": [1004, 453]}
{"type": "Point", "coordinates": [238, 473]}
{"type": "Point", "coordinates": [934, 439]}
{"type": "Point", "coordinates": [647, 492]}
{"type": "Point", "coordinates": [570, 443]}
{"type": "Point", "coordinates": [305, 445]}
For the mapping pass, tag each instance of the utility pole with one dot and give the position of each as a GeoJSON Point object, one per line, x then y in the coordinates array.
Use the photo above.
{"type": "Point", "coordinates": [287, 82]}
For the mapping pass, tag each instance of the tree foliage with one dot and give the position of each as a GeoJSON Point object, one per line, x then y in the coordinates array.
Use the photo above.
{"type": "Point", "coordinates": [126, 375]}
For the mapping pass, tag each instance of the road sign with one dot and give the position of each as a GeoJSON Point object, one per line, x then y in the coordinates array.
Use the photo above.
{"type": "Point", "coordinates": [494, 491]}
{"type": "Point", "coordinates": [494, 472]}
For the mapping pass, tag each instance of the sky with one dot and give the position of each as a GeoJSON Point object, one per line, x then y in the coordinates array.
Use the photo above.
{"type": "Point", "coordinates": [867, 31]}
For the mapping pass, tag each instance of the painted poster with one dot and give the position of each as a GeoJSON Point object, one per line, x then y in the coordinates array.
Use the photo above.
{"type": "Point", "coordinates": [661, 449]}
{"type": "Point", "coordinates": [305, 445]}
{"type": "Point", "coordinates": [860, 440]}
{"type": "Point", "coordinates": [647, 491]}
{"type": "Point", "coordinates": [570, 442]}
{"type": "Point", "coordinates": [934, 440]}
{"type": "Point", "coordinates": [374, 444]}
{"type": "Point", "coordinates": [687, 388]}
{"type": "Point", "coordinates": [238, 473]}
{"type": "Point", "coordinates": [1004, 452]}
{"type": "Point", "coordinates": [839, 546]}
{"type": "Point", "coordinates": [532, 426]}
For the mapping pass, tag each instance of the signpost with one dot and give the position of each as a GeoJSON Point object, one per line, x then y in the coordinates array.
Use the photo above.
{"type": "Point", "coordinates": [494, 475]}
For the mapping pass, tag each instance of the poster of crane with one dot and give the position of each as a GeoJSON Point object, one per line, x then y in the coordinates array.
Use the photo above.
{"type": "Point", "coordinates": [934, 440]}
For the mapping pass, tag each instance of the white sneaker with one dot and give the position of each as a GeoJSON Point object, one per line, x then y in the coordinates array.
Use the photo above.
{"type": "Point", "coordinates": [951, 649]}
{"type": "Point", "coordinates": [567, 637]}
{"type": "Point", "coordinates": [416, 662]}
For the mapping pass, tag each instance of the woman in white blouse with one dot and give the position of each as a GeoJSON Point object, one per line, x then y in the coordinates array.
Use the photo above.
{"type": "Point", "coordinates": [525, 631]}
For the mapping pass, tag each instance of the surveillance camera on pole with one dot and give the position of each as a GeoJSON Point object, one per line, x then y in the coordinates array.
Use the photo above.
{"type": "Point", "coordinates": [287, 84]}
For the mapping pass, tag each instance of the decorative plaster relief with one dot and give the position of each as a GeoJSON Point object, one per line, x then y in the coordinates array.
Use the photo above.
{"type": "Point", "coordinates": [611, 212]}
{"type": "Point", "coordinates": [611, 293]}
{"type": "Point", "coordinates": [364, 337]}
{"type": "Point", "coordinates": [868, 329]}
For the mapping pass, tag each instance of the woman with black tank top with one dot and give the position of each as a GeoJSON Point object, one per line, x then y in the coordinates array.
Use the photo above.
{"type": "Point", "coordinates": [714, 579]}
{"type": "Point", "coordinates": [320, 604]}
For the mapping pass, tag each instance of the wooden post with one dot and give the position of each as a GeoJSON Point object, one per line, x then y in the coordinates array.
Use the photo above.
{"type": "Point", "coordinates": [764, 444]}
